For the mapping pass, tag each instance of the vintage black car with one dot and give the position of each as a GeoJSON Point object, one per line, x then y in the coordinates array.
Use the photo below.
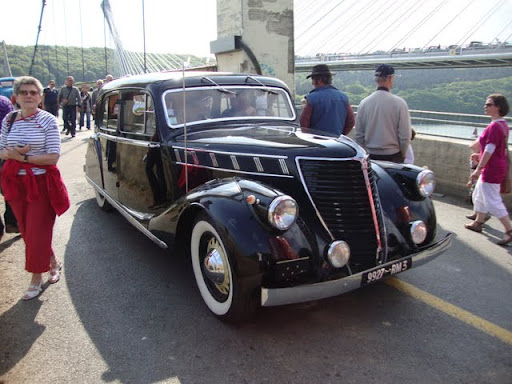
{"type": "Point", "coordinates": [271, 213]}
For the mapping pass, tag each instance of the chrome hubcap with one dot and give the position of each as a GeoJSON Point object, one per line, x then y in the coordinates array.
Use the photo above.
{"type": "Point", "coordinates": [214, 267]}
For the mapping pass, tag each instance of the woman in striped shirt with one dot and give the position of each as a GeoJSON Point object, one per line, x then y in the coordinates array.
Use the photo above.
{"type": "Point", "coordinates": [31, 182]}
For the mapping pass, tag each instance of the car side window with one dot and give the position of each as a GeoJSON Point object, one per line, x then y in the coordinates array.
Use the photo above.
{"type": "Point", "coordinates": [110, 112]}
{"type": "Point", "coordinates": [138, 114]}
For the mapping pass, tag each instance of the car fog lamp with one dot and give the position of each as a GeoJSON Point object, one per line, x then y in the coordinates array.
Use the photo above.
{"type": "Point", "coordinates": [282, 212]}
{"type": "Point", "coordinates": [426, 182]}
{"type": "Point", "coordinates": [338, 254]}
{"type": "Point", "coordinates": [418, 231]}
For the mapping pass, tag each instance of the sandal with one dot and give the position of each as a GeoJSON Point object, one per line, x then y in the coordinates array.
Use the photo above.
{"type": "Point", "coordinates": [473, 217]}
{"type": "Point", "coordinates": [33, 291]}
{"type": "Point", "coordinates": [475, 226]}
{"type": "Point", "coordinates": [55, 273]}
{"type": "Point", "coordinates": [507, 239]}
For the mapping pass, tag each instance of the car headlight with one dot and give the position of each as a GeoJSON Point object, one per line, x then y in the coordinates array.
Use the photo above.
{"type": "Point", "coordinates": [418, 231]}
{"type": "Point", "coordinates": [426, 182]}
{"type": "Point", "coordinates": [338, 254]}
{"type": "Point", "coordinates": [282, 212]}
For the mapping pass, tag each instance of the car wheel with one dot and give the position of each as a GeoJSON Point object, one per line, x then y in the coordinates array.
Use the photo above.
{"type": "Point", "coordinates": [102, 202]}
{"type": "Point", "coordinates": [214, 274]}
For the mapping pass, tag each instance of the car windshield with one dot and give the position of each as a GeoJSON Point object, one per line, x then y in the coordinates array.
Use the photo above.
{"type": "Point", "coordinates": [209, 104]}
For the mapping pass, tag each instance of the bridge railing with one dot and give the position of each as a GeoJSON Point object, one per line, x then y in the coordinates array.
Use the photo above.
{"type": "Point", "coordinates": [446, 124]}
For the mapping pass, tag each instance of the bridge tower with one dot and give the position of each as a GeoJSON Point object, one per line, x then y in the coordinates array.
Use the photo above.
{"type": "Point", "coordinates": [256, 36]}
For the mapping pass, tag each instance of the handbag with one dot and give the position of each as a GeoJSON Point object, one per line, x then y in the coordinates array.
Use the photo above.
{"type": "Point", "coordinates": [506, 184]}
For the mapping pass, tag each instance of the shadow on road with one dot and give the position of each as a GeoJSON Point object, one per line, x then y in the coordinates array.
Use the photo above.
{"type": "Point", "coordinates": [22, 318]}
{"type": "Point", "coordinates": [140, 307]}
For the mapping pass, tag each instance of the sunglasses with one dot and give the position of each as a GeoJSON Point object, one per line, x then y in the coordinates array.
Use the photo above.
{"type": "Point", "coordinates": [25, 93]}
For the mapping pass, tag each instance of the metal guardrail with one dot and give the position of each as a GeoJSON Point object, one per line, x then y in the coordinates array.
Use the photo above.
{"type": "Point", "coordinates": [446, 124]}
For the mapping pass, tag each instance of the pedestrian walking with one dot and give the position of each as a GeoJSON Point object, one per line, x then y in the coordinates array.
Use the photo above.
{"type": "Point", "coordinates": [85, 107]}
{"type": "Point", "coordinates": [492, 168]}
{"type": "Point", "coordinates": [69, 98]}
{"type": "Point", "coordinates": [31, 181]}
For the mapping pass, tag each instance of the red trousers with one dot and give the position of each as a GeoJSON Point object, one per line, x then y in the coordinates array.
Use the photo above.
{"type": "Point", "coordinates": [36, 220]}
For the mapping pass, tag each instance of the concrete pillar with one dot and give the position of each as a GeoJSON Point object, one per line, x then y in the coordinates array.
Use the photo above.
{"type": "Point", "coordinates": [256, 36]}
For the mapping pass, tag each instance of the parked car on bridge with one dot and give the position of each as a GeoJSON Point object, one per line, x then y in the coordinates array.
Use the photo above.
{"type": "Point", "coordinates": [270, 212]}
{"type": "Point", "coordinates": [6, 85]}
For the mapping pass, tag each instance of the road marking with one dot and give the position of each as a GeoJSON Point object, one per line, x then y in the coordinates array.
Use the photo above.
{"type": "Point", "coordinates": [452, 310]}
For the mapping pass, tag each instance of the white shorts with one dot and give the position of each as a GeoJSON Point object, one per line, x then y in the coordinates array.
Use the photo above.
{"type": "Point", "coordinates": [487, 199]}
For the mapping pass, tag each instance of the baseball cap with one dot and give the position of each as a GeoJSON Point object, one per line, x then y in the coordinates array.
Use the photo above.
{"type": "Point", "coordinates": [384, 70]}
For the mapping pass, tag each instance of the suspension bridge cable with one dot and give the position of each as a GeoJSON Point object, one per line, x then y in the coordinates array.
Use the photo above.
{"type": "Point", "coordinates": [420, 24]}
{"type": "Point", "coordinates": [382, 15]}
{"type": "Point", "coordinates": [322, 16]}
{"type": "Point", "coordinates": [328, 19]}
{"type": "Point", "coordinates": [37, 38]}
{"type": "Point", "coordinates": [397, 23]}
{"type": "Point", "coordinates": [81, 38]}
{"type": "Point", "coordinates": [479, 23]}
{"type": "Point", "coordinates": [345, 33]}
{"type": "Point", "coordinates": [500, 32]}
{"type": "Point", "coordinates": [384, 34]}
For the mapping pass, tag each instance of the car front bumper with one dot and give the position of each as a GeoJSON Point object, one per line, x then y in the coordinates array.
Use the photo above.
{"type": "Point", "coordinates": [302, 293]}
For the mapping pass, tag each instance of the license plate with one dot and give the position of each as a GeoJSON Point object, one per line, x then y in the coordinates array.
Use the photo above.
{"type": "Point", "coordinates": [379, 273]}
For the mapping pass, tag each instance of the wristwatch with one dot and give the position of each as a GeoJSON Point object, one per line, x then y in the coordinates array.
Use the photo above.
{"type": "Point", "coordinates": [25, 158]}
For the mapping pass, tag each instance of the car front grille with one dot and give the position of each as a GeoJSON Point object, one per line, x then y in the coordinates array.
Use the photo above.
{"type": "Point", "coordinates": [339, 192]}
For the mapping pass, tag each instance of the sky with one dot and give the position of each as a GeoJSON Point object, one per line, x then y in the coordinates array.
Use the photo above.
{"type": "Point", "coordinates": [365, 26]}
{"type": "Point", "coordinates": [326, 26]}
{"type": "Point", "coordinates": [171, 26]}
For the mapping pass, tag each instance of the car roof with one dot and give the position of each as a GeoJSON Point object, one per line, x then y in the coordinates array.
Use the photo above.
{"type": "Point", "coordinates": [174, 79]}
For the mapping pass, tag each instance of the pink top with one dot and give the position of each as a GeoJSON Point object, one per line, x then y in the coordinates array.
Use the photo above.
{"type": "Point", "coordinates": [496, 168]}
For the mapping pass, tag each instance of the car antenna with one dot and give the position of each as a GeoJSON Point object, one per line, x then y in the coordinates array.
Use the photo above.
{"type": "Point", "coordinates": [185, 127]}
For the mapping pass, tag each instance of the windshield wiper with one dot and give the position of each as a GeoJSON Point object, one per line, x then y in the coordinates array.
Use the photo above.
{"type": "Point", "coordinates": [220, 89]}
{"type": "Point", "coordinates": [265, 89]}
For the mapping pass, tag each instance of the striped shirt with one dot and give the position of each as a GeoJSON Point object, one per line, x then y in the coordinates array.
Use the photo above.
{"type": "Point", "coordinates": [39, 130]}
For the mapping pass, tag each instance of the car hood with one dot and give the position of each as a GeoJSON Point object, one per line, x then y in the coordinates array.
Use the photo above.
{"type": "Point", "coordinates": [271, 140]}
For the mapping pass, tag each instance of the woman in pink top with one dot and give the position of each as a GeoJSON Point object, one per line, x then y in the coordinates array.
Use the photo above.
{"type": "Point", "coordinates": [492, 168]}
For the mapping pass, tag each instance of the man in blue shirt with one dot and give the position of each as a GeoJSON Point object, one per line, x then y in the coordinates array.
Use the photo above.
{"type": "Point", "coordinates": [327, 108]}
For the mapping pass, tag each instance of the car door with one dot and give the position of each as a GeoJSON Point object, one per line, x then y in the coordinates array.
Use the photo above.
{"type": "Point", "coordinates": [107, 142]}
{"type": "Point", "coordinates": [140, 169]}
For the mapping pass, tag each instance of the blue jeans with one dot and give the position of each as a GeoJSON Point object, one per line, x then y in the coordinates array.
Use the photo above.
{"type": "Point", "coordinates": [88, 114]}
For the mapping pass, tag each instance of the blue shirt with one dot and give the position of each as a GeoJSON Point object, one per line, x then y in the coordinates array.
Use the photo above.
{"type": "Point", "coordinates": [330, 107]}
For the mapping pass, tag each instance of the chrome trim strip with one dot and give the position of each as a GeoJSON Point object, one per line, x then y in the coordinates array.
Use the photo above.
{"type": "Point", "coordinates": [107, 136]}
{"type": "Point", "coordinates": [317, 291]}
{"type": "Point", "coordinates": [364, 164]}
{"type": "Point", "coordinates": [177, 154]}
{"type": "Point", "coordinates": [239, 154]}
{"type": "Point", "coordinates": [257, 162]}
{"type": "Point", "coordinates": [235, 171]}
{"type": "Point", "coordinates": [291, 261]}
{"type": "Point", "coordinates": [284, 167]}
{"type": "Point", "coordinates": [126, 213]}
{"type": "Point", "coordinates": [215, 163]}
{"type": "Point", "coordinates": [138, 143]}
{"type": "Point", "coordinates": [234, 161]}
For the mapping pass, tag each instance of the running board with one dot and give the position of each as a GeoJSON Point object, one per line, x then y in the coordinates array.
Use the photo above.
{"type": "Point", "coordinates": [129, 215]}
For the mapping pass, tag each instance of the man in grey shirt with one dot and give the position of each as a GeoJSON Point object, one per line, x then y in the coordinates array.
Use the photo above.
{"type": "Point", "coordinates": [69, 98]}
{"type": "Point", "coordinates": [383, 124]}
